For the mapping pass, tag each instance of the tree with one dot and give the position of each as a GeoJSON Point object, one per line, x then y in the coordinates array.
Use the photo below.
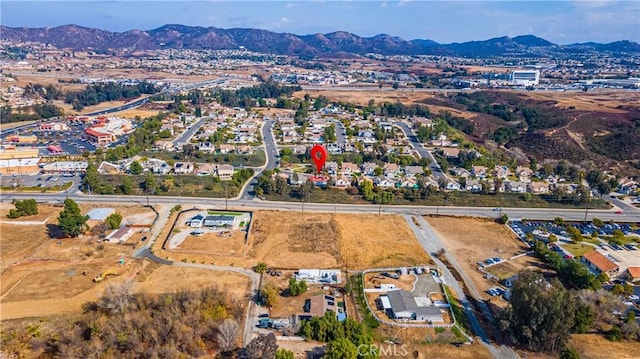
{"type": "Point", "coordinates": [574, 234]}
{"type": "Point", "coordinates": [541, 313]}
{"type": "Point", "coordinates": [270, 295]}
{"type": "Point", "coordinates": [261, 347]}
{"type": "Point", "coordinates": [150, 183]}
{"type": "Point", "coordinates": [553, 238]}
{"type": "Point", "coordinates": [504, 219]}
{"type": "Point", "coordinates": [135, 168]}
{"type": "Point", "coordinates": [227, 336]}
{"type": "Point", "coordinates": [261, 267]}
{"type": "Point", "coordinates": [114, 220]}
{"type": "Point", "coordinates": [341, 348]}
{"type": "Point", "coordinates": [597, 222]}
{"type": "Point", "coordinates": [70, 220]}
{"type": "Point", "coordinates": [297, 287]}
{"type": "Point", "coordinates": [284, 354]}
{"type": "Point", "coordinates": [27, 207]}
{"type": "Point", "coordinates": [569, 353]}
{"type": "Point", "coordinates": [558, 221]}
{"type": "Point", "coordinates": [126, 186]}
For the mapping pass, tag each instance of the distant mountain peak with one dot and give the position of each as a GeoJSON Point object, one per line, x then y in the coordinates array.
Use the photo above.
{"type": "Point", "coordinates": [197, 37]}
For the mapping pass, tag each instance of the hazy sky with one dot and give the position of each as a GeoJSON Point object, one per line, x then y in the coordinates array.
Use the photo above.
{"type": "Point", "coordinates": [560, 21]}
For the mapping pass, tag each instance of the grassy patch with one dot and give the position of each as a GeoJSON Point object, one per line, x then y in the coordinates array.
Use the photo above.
{"type": "Point", "coordinates": [195, 186]}
{"type": "Point", "coordinates": [357, 290]}
{"type": "Point", "coordinates": [578, 249]}
{"type": "Point", "coordinates": [458, 312]}
{"type": "Point", "coordinates": [224, 213]}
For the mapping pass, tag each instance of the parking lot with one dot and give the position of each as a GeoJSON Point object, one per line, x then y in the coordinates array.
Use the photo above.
{"type": "Point", "coordinates": [38, 180]}
{"type": "Point", "coordinates": [535, 227]}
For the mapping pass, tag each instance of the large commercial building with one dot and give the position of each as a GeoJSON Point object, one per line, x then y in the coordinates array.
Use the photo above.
{"type": "Point", "coordinates": [525, 77]}
{"type": "Point", "coordinates": [9, 152]}
{"type": "Point", "coordinates": [22, 166]}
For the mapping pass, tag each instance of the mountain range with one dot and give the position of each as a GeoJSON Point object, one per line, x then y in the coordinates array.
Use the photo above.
{"type": "Point", "coordinates": [197, 38]}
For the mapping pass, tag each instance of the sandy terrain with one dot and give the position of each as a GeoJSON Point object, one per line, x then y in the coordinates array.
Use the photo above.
{"type": "Point", "coordinates": [212, 243]}
{"type": "Point", "coordinates": [512, 267]}
{"type": "Point", "coordinates": [472, 240]}
{"type": "Point", "coordinates": [143, 113]}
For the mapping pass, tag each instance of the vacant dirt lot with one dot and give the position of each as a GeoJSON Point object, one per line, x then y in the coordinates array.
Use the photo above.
{"type": "Point", "coordinates": [600, 101]}
{"type": "Point", "coordinates": [471, 240]}
{"type": "Point", "coordinates": [214, 243]}
{"type": "Point", "coordinates": [329, 240]}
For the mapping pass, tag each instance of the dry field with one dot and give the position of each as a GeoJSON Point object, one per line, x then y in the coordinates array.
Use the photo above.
{"type": "Point", "coordinates": [213, 243]}
{"type": "Point", "coordinates": [132, 113]}
{"type": "Point", "coordinates": [592, 346]}
{"type": "Point", "coordinates": [600, 101]}
{"type": "Point", "coordinates": [319, 241]}
{"type": "Point", "coordinates": [471, 240]}
{"type": "Point", "coordinates": [416, 340]}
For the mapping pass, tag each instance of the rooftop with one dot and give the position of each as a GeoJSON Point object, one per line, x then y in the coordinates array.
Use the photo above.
{"type": "Point", "coordinates": [600, 261]}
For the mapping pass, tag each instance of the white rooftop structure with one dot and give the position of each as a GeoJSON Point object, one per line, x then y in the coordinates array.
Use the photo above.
{"type": "Point", "coordinates": [100, 214]}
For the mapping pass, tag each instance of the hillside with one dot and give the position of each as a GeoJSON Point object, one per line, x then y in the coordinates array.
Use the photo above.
{"type": "Point", "coordinates": [585, 128]}
{"type": "Point", "coordinates": [196, 38]}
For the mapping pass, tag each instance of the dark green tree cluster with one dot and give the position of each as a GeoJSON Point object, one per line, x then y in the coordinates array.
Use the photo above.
{"type": "Point", "coordinates": [70, 220]}
{"type": "Point", "coordinates": [541, 313]}
{"type": "Point", "coordinates": [241, 176]}
{"type": "Point", "coordinates": [97, 93]}
{"type": "Point", "coordinates": [30, 113]}
{"type": "Point", "coordinates": [49, 92]}
{"type": "Point", "coordinates": [297, 287]}
{"type": "Point", "coordinates": [398, 109]}
{"type": "Point", "coordinates": [344, 338]}
{"type": "Point", "coordinates": [27, 207]}
{"type": "Point", "coordinates": [246, 95]}
{"type": "Point", "coordinates": [573, 273]}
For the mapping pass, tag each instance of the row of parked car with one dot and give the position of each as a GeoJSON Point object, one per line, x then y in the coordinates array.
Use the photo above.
{"type": "Point", "coordinates": [490, 261]}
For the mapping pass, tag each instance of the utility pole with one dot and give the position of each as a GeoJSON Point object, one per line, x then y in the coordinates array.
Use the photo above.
{"type": "Point", "coordinates": [226, 196]}
{"type": "Point", "coordinates": [586, 212]}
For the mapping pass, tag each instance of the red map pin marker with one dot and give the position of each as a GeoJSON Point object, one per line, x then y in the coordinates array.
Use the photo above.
{"type": "Point", "coordinates": [319, 156]}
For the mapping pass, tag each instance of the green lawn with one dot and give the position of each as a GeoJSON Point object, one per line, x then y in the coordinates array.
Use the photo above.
{"type": "Point", "coordinates": [578, 249]}
{"type": "Point", "coordinates": [254, 160]}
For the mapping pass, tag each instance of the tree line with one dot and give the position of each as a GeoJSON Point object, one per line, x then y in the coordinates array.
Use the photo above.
{"type": "Point", "coordinates": [98, 93]}
{"type": "Point", "coordinates": [30, 113]}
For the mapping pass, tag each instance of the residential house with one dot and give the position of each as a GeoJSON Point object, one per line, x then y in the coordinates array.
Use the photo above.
{"type": "Point", "coordinates": [207, 147]}
{"type": "Point", "coordinates": [219, 221]}
{"type": "Point", "coordinates": [162, 145]}
{"type": "Point", "coordinates": [120, 235]}
{"type": "Point", "coordinates": [539, 187]}
{"type": "Point", "coordinates": [473, 186]}
{"type": "Point", "coordinates": [452, 185]}
{"type": "Point", "coordinates": [407, 183]}
{"type": "Point", "coordinates": [524, 173]}
{"type": "Point", "coordinates": [349, 169]}
{"type": "Point", "coordinates": [160, 167]}
{"type": "Point", "coordinates": [342, 182]}
{"type": "Point", "coordinates": [451, 152]}
{"type": "Point", "coordinates": [318, 306]}
{"type": "Point", "coordinates": [383, 182]}
{"type": "Point", "coordinates": [183, 168]}
{"type": "Point", "coordinates": [413, 171]}
{"type": "Point", "coordinates": [598, 263]}
{"type": "Point", "coordinates": [460, 172]}
{"type": "Point", "coordinates": [479, 171]}
{"type": "Point", "coordinates": [331, 167]}
{"type": "Point", "coordinates": [403, 307]}
{"type": "Point", "coordinates": [300, 149]}
{"type": "Point", "coordinates": [368, 168]}
{"type": "Point", "coordinates": [515, 186]}
{"type": "Point", "coordinates": [196, 221]}
{"type": "Point", "coordinates": [226, 148]}
{"type": "Point", "coordinates": [225, 172]}
{"type": "Point", "coordinates": [244, 149]}
{"type": "Point", "coordinates": [205, 169]}
{"type": "Point", "coordinates": [390, 169]}
{"type": "Point", "coordinates": [501, 171]}
{"type": "Point", "coordinates": [628, 186]}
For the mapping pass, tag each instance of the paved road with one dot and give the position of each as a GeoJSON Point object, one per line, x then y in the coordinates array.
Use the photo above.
{"type": "Point", "coordinates": [416, 145]}
{"type": "Point", "coordinates": [186, 135]}
{"type": "Point", "coordinates": [341, 137]}
{"type": "Point", "coordinates": [256, 204]}
{"type": "Point", "coordinates": [271, 153]}
{"type": "Point", "coordinates": [431, 243]}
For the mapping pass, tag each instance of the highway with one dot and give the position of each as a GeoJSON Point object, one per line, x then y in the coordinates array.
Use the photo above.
{"type": "Point", "coordinates": [244, 203]}
{"type": "Point", "coordinates": [416, 145]}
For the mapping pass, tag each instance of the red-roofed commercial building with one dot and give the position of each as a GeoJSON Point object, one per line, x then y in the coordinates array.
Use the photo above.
{"type": "Point", "coordinates": [599, 263]}
{"type": "Point", "coordinates": [99, 138]}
